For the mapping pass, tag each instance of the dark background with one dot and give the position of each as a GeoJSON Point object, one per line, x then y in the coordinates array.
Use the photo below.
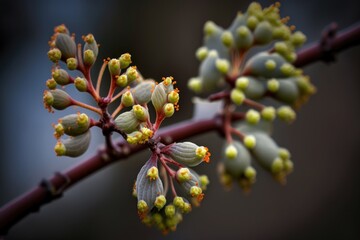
{"type": "Point", "coordinates": [321, 199]}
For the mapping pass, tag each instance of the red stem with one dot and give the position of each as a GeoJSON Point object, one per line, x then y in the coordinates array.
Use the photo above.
{"type": "Point", "coordinates": [31, 201]}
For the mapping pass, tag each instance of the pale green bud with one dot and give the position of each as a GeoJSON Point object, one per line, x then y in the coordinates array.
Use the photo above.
{"type": "Point", "coordinates": [54, 55]}
{"type": "Point", "coordinates": [66, 45]}
{"type": "Point", "coordinates": [51, 83]}
{"type": "Point", "coordinates": [195, 84]}
{"type": "Point", "coordinates": [170, 210]}
{"type": "Point", "coordinates": [270, 65]}
{"type": "Point", "coordinates": [268, 113]}
{"type": "Point", "coordinates": [201, 53]}
{"type": "Point", "coordinates": [222, 65]}
{"type": "Point", "coordinates": [140, 113]}
{"type": "Point", "coordinates": [287, 69]}
{"type": "Point", "coordinates": [81, 84]}
{"type": "Point", "coordinates": [169, 109]}
{"type": "Point", "coordinates": [114, 67]}
{"type": "Point", "coordinates": [273, 85]}
{"type": "Point", "coordinates": [252, 22]}
{"type": "Point", "coordinates": [242, 83]}
{"type": "Point", "coordinates": [143, 91]}
{"type": "Point", "coordinates": [57, 99]}
{"type": "Point", "coordinates": [277, 166]}
{"type": "Point", "coordinates": [127, 99]}
{"type": "Point", "coordinates": [173, 96]}
{"type": "Point", "coordinates": [281, 48]}
{"type": "Point", "coordinates": [231, 152]}
{"type": "Point", "coordinates": [250, 173]}
{"type": "Point", "coordinates": [74, 146]}
{"type": "Point", "coordinates": [284, 154]}
{"type": "Point", "coordinates": [160, 202]}
{"type": "Point", "coordinates": [237, 96]}
{"type": "Point", "coordinates": [195, 191]}
{"type": "Point", "coordinates": [142, 206]}
{"type": "Point", "coordinates": [122, 80]}
{"type": "Point", "coordinates": [227, 38]}
{"type": "Point", "coordinates": [210, 28]}
{"type": "Point", "coordinates": [89, 57]}
{"type": "Point", "coordinates": [298, 39]}
{"type": "Point", "coordinates": [204, 181]}
{"type": "Point", "coordinates": [252, 116]}
{"type": "Point", "coordinates": [61, 76]}
{"type": "Point", "coordinates": [71, 63]}
{"type": "Point", "coordinates": [159, 97]}
{"type": "Point", "coordinates": [183, 175]}
{"type": "Point", "coordinates": [131, 73]}
{"type": "Point", "coordinates": [263, 33]}
{"type": "Point", "coordinates": [250, 141]}
{"type": "Point", "coordinates": [125, 60]}
{"type": "Point", "coordinates": [127, 122]}
{"type": "Point", "coordinates": [286, 114]}
{"type": "Point", "coordinates": [74, 124]}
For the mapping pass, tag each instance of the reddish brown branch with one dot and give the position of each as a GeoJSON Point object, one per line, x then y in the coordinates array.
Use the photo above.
{"type": "Point", "coordinates": [49, 190]}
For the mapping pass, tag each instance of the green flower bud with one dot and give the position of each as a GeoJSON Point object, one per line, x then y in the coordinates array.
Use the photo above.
{"type": "Point", "coordinates": [114, 67]}
{"type": "Point", "coordinates": [142, 206]}
{"type": "Point", "coordinates": [122, 80]}
{"type": "Point", "coordinates": [169, 109]}
{"type": "Point", "coordinates": [263, 33]}
{"type": "Point", "coordinates": [74, 146]}
{"type": "Point", "coordinates": [160, 202]}
{"type": "Point", "coordinates": [81, 84]}
{"type": "Point", "coordinates": [125, 60]}
{"type": "Point", "coordinates": [183, 175]}
{"type": "Point", "coordinates": [250, 173]}
{"type": "Point", "coordinates": [242, 83]}
{"type": "Point", "coordinates": [252, 22]}
{"type": "Point", "coordinates": [59, 130]}
{"type": "Point", "coordinates": [143, 91]}
{"type": "Point", "coordinates": [188, 153]}
{"type": "Point", "coordinates": [61, 76]}
{"type": "Point", "coordinates": [51, 84]}
{"type": "Point", "coordinates": [89, 57]}
{"type": "Point", "coordinates": [227, 38]}
{"type": "Point", "coordinates": [170, 210]}
{"type": "Point", "coordinates": [201, 53]}
{"type": "Point", "coordinates": [282, 32]}
{"type": "Point", "coordinates": [243, 37]}
{"type": "Point", "coordinates": [90, 44]}
{"type": "Point", "coordinates": [140, 113]}
{"type": "Point", "coordinates": [173, 97]}
{"type": "Point", "coordinates": [237, 96]}
{"type": "Point", "coordinates": [255, 89]}
{"type": "Point", "coordinates": [250, 141]}
{"type": "Point", "coordinates": [195, 84]}
{"type": "Point", "coordinates": [286, 114]}
{"type": "Point", "coordinates": [75, 124]}
{"type": "Point", "coordinates": [66, 45]}
{"type": "Point", "coordinates": [277, 166]}
{"type": "Point", "coordinates": [287, 69]}
{"type": "Point", "coordinates": [209, 72]}
{"type": "Point", "coordinates": [298, 39]}
{"type": "Point", "coordinates": [127, 122]}
{"type": "Point", "coordinates": [231, 152]}
{"type": "Point", "coordinates": [281, 48]}
{"type": "Point", "coordinates": [222, 65]}
{"type": "Point", "coordinates": [270, 65]}
{"type": "Point", "coordinates": [71, 63]}
{"type": "Point", "coordinates": [61, 29]}
{"type": "Point", "coordinates": [273, 85]}
{"type": "Point", "coordinates": [153, 173]}
{"type": "Point", "coordinates": [54, 55]}
{"type": "Point", "coordinates": [252, 116]}
{"type": "Point", "coordinates": [284, 154]}
{"type": "Point", "coordinates": [204, 181]}
{"type": "Point", "coordinates": [195, 191]}
{"type": "Point", "coordinates": [159, 97]}
{"type": "Point", "coordinates": [268, 113]}
{"type": "Point", "coordinates": [131, 73]}
{"type": "Point", "coordinates": [127, 99]}
{"type": "Point", "coordinates": [210, 28]}
{"type": "Point", "coordinates": [57, 99]}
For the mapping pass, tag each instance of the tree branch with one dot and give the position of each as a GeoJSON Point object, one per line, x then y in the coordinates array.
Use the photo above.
{"type": "Point", "coordinates": [49, 190]}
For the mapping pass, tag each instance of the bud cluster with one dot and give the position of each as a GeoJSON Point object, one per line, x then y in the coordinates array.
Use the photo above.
{"type": "Point", "coordinates": [264, 74]}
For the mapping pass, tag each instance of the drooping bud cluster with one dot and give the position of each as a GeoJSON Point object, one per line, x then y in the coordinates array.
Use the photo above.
{"type": "Point", "coordinates": [154, 208]}
{"type": "Point", "coordinates": [224, 59]}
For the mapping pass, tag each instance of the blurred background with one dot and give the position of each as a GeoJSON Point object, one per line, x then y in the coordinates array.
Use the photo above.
{"type": "Point", "coordinates": [321, 198]}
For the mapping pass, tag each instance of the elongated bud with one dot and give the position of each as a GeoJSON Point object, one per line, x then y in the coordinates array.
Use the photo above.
{"type": "Point", "coordinates": [252, 22]}
{"type": "Point", "coordinates": [140, 113]}
{"type": "Point", "coordinates": [127, 122]}
{"type": "Point", "coordinates": [149, 188]}
{"type": "Point", "coordinates": [169, 109]}
{"type": "Point", "coordinates": [89, 57]}
{"type": "Point", "coordinates": [125, 60]}
{"type": "Point", "coordinates": [54, 55]}
{"type": "Point", "coordinates": [265, 65]}
{"type": "Point", "coordinates": [288, 91]}
{"type": "Point", "coordinates": [81, 84]}
{"type": "Point", "coordinates": [143, 91]}
{"type": "Point", "coordinates": [75, 124]}
{"type": "Point", "coordinates": [114, 67]}
{"type": "Point", "coordinates": [263, 33]}
{"type": "Point", "coordinates": [122, 80]}
{"type": "Point", "coordinates": [51, 84]}
{"type": "Point", "coordinates": [74, 146]}
{"type": "Point", "coordinates": [159, 97]}
{"type": "Point", "coordinates": [57, 99]}
{"type": "Point", "coordinates": [127, 99]}
{"type": "Point", "coordinates": [71, 63]}
{"type": "Point", "coordinates": [188, 153]}
{"type": "Point", "coordinates": [66, 45]}
{"type": "Point", "coordinates": [237, 164]}
{"type": "Point", "coordinates": [131, 73]}
{"type": "Point", "coordinates": [255, 88]}
{"type": "Point", "coordinates": [90, 44]}
{"type": "Point", "coordinates": [208, 71]}
{"type": "Point", "coordinates": [61, 77]}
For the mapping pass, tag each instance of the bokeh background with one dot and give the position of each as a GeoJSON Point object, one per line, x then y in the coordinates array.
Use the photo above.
{"type": "Point", "coordinates": [321, 199]}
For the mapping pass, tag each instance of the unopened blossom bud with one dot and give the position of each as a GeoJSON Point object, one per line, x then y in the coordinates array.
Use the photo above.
{"type": "Point", "coordinates": [90, 44]}
{"type": "Point", "coordinates": [142, 206]}
{"type": "Point", "coordinates": [173, 97]}
{"type": "Point", "coordinates": [125, 60]}
{"type": "Point", "coordinates": [153, 173]}
{"type": "Point", "coordinates": [75, 124]}
{"type": "Point", "coordinates": [143, 91]}
{"type": "Point", "coordinates": [51, 84]}
{"type": "Point", "coordinates": [242, 83]}
{"type": "Point", "coordinates": [263, 33]}
{"type": "Point", "coordinates": [122, 80]}
{"type": "Point", "coordinates": [178, 202]}
{"type": "Point", "coordinates": [252, 116]}
{"type": "Point", "coordinates": [61, 76]}
{"type": "Point", "coordinates": [131, 73]}
{"type": "Point", "coordinates": [268, 113]}
{"type": "Point", "coordinates": [273, 85]}
{"type": "Point", "coordinates": [222, 65]}
{"type": "Point", "coordinates": [286, 114]}
{"type": "Point", "coordinates": [81, 84]}
{"type": "Point", "coordinates": [57, 99]}
{"type": "Point", "coordinates": [54, 55]}
{"type": "Point", "coordinates": [74, 146]}
{"type": "Point", "coordinates": [114, 67]}
{"type": "Point", "coordinates": [71, 63]}
{"type": "Point", "coordinates": [159, 97]}
{"type": "Point", "coordinates": [231, 152]}
{"type": "Point", "coordinates": [195, 84]}
{"type": "Point", "coordinates": [127, 122]}
{"type": "Point", "coordinates": [89, 57]}
{"type": "Point", "coordinates": [227, 38]}
{"type": "Point", "coordinates": [160, 202]}
{"type": "Point", "coordinates": [140, 113]}
{"type": "Point", "coordinates": [250, 141]}
{"type": "Point", "coordinates": [66, 45]}
{"type": "Point", "coordinates": [170, 210]}
{"type": "Point", "coordinates": [183, 174]}
{"type": "Point", "coordinates": [188, 153]}
{"type": "Point", "coordinates": [127, 99]}
{"type": "Point", "coordinates": [195, 191]}
{"type": "Point", "coordinates": [201, 53]}
{"type": "Point", "coordinates": [237, 96]}
{"type": "Point", "coordinates": [169, 109]}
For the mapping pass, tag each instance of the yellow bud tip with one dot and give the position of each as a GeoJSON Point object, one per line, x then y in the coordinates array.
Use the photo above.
{"type": "Point", "coordinates": [231, 152]}
{"type": "Point", "coordinates": [203, 152]}
{"type": "Point", "coordinates": [242, 83]}
{"type": "Point", "coordinates": [153, 173]}
{"type": "Point", "coordinates": [183, 175]}
{"type": "Point", "coordinates": [160, 202]}
{"type": "Point", "coordinates": [142, 206]}
{"type": "Point", "coordinates": [250, 141]}
{"type": "Point", "coordinates": [60, 149]}
{"type": "Point", "coordinates": [170, 211]}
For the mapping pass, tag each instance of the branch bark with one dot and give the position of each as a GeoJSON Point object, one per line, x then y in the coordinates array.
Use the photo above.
{"type": "Point", "coordinates": [49, 190]}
